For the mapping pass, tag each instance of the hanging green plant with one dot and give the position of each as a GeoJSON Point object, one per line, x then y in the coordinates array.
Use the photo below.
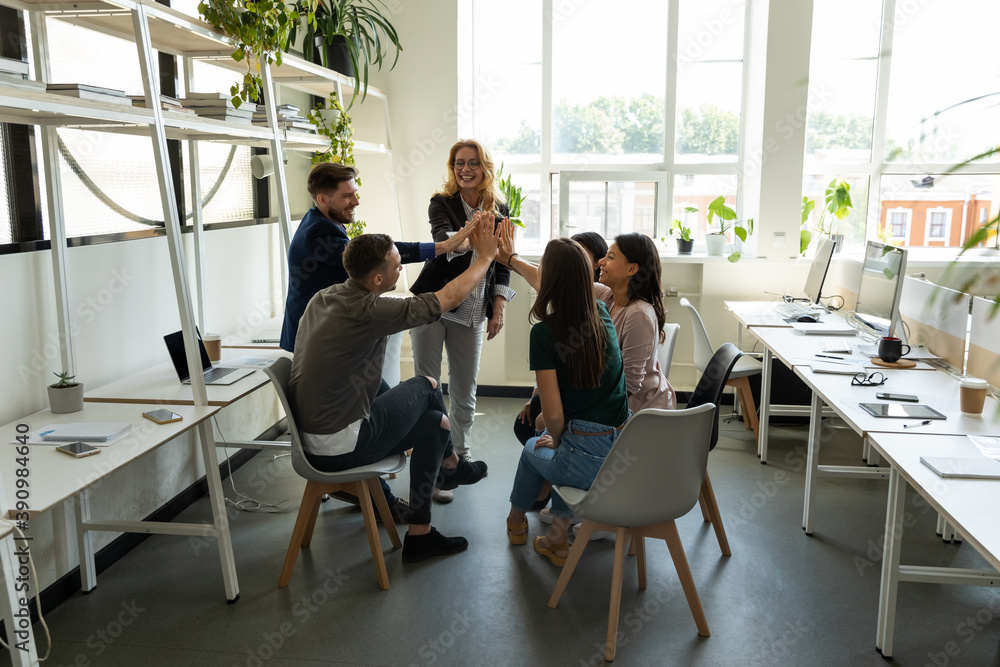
{"type": "Point", "coordinates": [332, 122]}
{"type": "Point", "coordinates": [259, 30]}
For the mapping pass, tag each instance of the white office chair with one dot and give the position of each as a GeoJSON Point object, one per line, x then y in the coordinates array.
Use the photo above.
{"type": "Point", "coordinates": [661, 483]}
{"type": "Point", "coordinates": [745, 367]}
{"type": "Point", "coordinates": [665, 350]}
{"type": "Point", "coordinates": [358, 481]}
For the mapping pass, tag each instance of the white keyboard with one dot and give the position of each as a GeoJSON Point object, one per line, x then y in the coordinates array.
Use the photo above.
{"type": "Point", "coordinates": [835, 346]}
{"type": "Point", "coordinates": [796, 309]}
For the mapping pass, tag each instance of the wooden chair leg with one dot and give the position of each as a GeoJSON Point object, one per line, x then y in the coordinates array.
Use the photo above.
{"type": "Point", "coordinates": [320, 491]}
{"type": "Point", "coordinates": [745, 395]}
{"type": "Point", "coordinates": [713, 510]}
{"type": "Point", "coordinates": [586, 528]}
{"type": "Point", "coordinates": [673, 541]}
{"type": "Point", "coordinates": [640, 559]}
{"type": "Point", "coordinates": [364, 494]}
{"type": "Point", "coordinates": [307, 515]}
{"type": "Point", "coordinates": [704, 508]}
{"type": "Point", "coordinates": [616, 594]}
{"type": "Point", "coordinates": [382, 505]}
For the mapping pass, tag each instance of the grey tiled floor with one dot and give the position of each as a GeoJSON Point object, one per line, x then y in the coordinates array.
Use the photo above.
{"type": "Point", "coordinates": [781, 599]}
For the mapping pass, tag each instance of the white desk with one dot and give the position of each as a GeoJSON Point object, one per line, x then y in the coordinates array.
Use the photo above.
{"type": "Point", "coordinates": [969, 505]}
{"type": "Point", "coordinates": [23, 651]}
{"type": "Point", "coordinates": [752, 314]}
{"type": "Point", "coordinates": [54, 477]}
{"type": "Point", "coordinates": [937, 389]}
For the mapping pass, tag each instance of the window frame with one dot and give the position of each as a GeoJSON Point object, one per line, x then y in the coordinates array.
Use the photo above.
{"type": "Point", "coordinates": [907, 223]}
{"type": "Point", "coordinates": [547, 169]}
{"type": "Point", "coordinates": [948, 215]}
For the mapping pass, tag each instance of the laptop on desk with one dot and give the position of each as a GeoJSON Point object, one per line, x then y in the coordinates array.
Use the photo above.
{"type": "Point", "coordinates": [212, 374]}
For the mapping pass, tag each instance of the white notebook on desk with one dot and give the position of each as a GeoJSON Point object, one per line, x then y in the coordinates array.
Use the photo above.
{"type": "Point", "coordinates": [85, 431]}
{"type": "Point", "coordinates": [838, 369]}
{"type": "Point", "coordinates": [833, 328]}
{"type": "Point", "coordinates": [965, 468]}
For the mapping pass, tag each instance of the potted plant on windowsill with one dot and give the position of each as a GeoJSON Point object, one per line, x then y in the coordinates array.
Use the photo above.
{"type": "Point", "coordinates": [717, 241]}
{"type": "Point", "coordinates": [685, 244]}
{"type": "Point", "coordinates": [65, 396]}
{"type": "Point", "coordinates": [349, 36]}
{"type": "Point", "coordinates": [837, 205]}
{"type": "Point", "coordinates": [513, 195]}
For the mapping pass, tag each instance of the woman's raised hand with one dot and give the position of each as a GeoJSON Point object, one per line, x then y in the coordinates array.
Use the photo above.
{"type": "Point", "coordinates": [506, 241]}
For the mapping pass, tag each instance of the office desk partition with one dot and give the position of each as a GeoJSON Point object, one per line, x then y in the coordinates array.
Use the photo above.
{"type": "Point", "coordinates": [984, 342]}
{"type": "Point", "coordinates": [55, 477]}
{"type": "Point", "coordinates": [969, 505]}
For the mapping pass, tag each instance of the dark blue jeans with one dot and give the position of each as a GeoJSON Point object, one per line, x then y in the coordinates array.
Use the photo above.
{"type": "Point", "coordinates": [408, 416]}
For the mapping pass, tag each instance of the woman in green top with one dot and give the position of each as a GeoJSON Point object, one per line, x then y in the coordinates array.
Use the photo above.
{"type": "Point", "coordinates": [578, 369]}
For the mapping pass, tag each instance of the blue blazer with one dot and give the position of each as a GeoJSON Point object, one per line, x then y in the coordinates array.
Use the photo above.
{"type": "Point", "coordinates": [316, 261]}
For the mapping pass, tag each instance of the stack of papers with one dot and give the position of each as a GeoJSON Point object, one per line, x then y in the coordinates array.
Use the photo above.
{"type": "Point", "coordinates": [829, 328]}
{"type": "Point", "coordinates": [837, 368]}
{"type": "Point", "coordinates": [968, 468]}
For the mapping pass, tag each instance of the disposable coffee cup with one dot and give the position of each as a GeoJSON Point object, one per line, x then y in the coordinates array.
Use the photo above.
{"type": "Point", "coordinates": [972, 392]}
{"type": "Point", "coordinates": [213, 345]}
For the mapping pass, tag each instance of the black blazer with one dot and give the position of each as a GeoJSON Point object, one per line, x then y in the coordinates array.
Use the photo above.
{"type": "Point", "coordinates": [448, 215]}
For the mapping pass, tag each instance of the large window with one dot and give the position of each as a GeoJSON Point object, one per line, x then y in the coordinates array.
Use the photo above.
{"type": "Point", "coordinates": [899, 93]}
{"type": "Point", "coordinates": [586, 89]}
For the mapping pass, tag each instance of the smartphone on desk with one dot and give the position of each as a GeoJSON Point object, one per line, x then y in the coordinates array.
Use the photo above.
{"type": "Point", "coordinates": [162, 416]}
{"type": "Point", "coordinates": [886, 396]}
{"type": "Point", "coordinates": [78, 449]}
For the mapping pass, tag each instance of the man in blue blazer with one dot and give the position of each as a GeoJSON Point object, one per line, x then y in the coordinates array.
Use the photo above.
{"type": "Point", "coordinates": [315, 254]}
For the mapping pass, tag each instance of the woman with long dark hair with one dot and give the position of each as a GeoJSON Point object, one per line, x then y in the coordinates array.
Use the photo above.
{"type": "Point", "coordinates": [578, 370]}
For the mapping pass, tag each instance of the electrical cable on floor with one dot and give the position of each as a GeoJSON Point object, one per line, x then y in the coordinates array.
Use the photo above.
{"type": "Point", "coordinates": [38, 601]}
{"type": "Point", "coordinates": [246, 503]}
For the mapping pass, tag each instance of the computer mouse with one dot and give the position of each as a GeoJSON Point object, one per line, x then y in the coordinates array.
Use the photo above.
{"type": "Point", "coordinates": [807, 318]}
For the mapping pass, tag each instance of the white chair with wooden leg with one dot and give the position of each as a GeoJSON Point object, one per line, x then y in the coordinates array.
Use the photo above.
{"type": "Point", "coordinates": [646, 482]}
{"type": "Point", "coordinates": [360, 481]}
{"type": "Point", "coordinates": [738, 379]}
{"type": "Point", "coordinates": [665, 350]}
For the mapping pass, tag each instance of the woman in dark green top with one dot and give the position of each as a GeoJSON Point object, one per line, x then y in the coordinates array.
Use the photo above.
{"type": "Point", "coordinates": [578, 369]}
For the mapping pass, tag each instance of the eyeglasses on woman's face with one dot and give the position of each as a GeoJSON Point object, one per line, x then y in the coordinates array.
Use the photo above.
{"type": "Point", "coordinates": [461, 164]}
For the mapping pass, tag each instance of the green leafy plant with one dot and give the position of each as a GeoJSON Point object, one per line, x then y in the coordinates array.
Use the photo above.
{"type": "Point", "coordinates": [356, 228]}
{"type": "Point", "coordinates": [259, 30]}
{"type": "Point", "coordinates": [340, 132]}
{"type": "Point", "coordinates": [64, 381]}
{"type": "Point", "coordinates": [837, 206]}
{"type": "Point", "coordinates": [682, 230]}
{"type": "Point", "coordinates": [367, 33]}
{"type": "Point", "coordinates": [727, 220]}
{"type": "Point", "coordinates": [513, 196]}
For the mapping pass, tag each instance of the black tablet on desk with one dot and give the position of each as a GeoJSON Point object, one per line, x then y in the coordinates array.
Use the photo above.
{"type": "Point", "coordinates": [901, 411]}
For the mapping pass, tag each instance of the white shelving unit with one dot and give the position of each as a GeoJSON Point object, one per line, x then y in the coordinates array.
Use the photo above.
{"type": "Point", "coordinates": [153, 27]}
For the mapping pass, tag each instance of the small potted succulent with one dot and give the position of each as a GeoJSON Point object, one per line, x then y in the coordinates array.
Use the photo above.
{"type": "Point", "coordinates": [685, 244]}
{"type": "Point", "coordinates": [65, 396]}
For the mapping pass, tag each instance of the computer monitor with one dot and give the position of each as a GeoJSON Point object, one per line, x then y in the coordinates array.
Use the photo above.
{"type": "Point", "coordinates": [881, 285]}
{"type": "Point", "coordinates": [817, 272]}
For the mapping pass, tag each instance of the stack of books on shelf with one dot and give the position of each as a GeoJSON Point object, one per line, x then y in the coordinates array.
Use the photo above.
{"type": "Point", "coordinates": [85, 91]}
{"type": "Point", "coordinates": [167, 103]}
{"type": "Point", "coordinates": [219, 106]}
{"type": "Point", "coordinates": [288, 118]}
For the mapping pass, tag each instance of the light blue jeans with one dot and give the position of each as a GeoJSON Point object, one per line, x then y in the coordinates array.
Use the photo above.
{"type": "Point", "coordinates": [575, 462]}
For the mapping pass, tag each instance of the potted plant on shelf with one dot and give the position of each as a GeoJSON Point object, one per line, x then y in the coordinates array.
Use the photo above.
{"type": "Point", "coordinates": [332, 122]}
{"type": "Point", "coordinates": [837, 206]}
{"type": "Point", "coordinates": [513, 196]}
{"type": "Point", "coordinates": [717, 241]}
{"type": "Point", "coordinates": [685, 244]}
{"type": "Point", "coordinates": [349, 37]}
{"type": "Point", "coordinates": [259, 30]}
{"type": "Point", "coordinates": [65, 396]}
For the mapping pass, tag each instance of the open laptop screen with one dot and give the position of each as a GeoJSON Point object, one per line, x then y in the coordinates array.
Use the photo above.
{"type": "Point", "coordinates": [175, 345]}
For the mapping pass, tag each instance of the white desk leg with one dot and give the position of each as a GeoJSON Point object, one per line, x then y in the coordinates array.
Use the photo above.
{"type": "Point", "coordinates": [85, 543]}
{"type": "Point", "coordinates": [18, 634]}
{"type": "Point", "coordinates": [765, 405]}
{"type": "Point", "coordinates": [890, 563]}
{"type": "Point", "coordinates": [812, 461]}
{"type": "Point", "coordinates": [218, 502]}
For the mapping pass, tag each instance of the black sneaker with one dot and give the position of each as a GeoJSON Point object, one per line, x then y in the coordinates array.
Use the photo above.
{"type": "Point", "coordinates": [421, 547]}
{"type": "Point", "coordinates": [469, 458]}
{"type": "Point", "coordinates": [464, 474]}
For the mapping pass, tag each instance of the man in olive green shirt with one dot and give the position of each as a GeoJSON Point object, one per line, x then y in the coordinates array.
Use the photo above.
{"type": "Point", "coordinates": [337, 372]}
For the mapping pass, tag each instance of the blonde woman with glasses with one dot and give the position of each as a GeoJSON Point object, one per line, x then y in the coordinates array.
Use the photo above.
{"type": "Point", "coordinates": [470, 186]}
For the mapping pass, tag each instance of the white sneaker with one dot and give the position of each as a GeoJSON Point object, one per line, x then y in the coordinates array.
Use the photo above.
{"type": "Point", "coordinates": [546, 517]}
{"type": "Point", "coordinates": [442, 496]}
{"type": "Point", "coordinates": [596, 535]}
